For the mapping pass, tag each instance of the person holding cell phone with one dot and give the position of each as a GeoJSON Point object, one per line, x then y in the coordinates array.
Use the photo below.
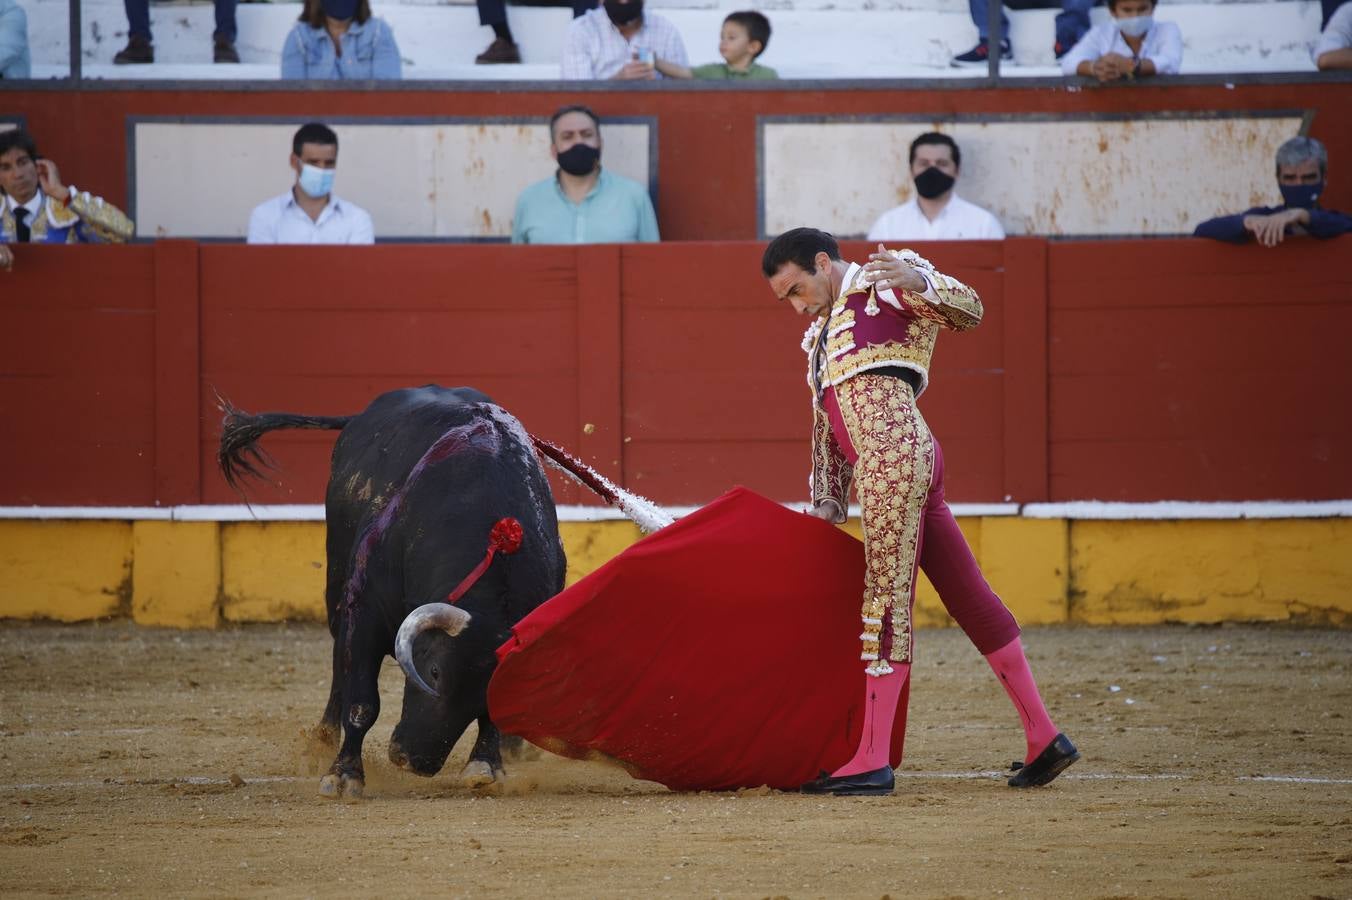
{"type": "Point", "coordinates": [619, 41]}
{"type": "Point", "coordinates": [36, 207]}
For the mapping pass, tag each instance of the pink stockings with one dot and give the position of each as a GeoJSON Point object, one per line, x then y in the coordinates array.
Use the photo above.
{"type": "Point", "coordinates": [882, 695]}
{"type": "Point", "coordinates": [1011, 667]}
{"type": "Point", "coordinates": [880, 710]}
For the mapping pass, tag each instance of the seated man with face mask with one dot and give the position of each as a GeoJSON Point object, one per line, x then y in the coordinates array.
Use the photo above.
{"type": "Point", "coordinates": [310, 213]}
{"type": "Point", "coordinates": [1302, 173]}
{"type": "Point", "coordinates": [582, 203]}
{"type": "Point", "coordinates": [936, 212]}
{"type": "Point", "coordinates": [620, 42]}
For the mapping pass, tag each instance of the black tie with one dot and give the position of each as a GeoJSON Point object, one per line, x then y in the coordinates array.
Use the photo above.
{"type": "Point", "coordinates": [21, 230]}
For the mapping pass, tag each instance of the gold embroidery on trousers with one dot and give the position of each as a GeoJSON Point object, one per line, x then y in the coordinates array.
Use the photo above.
{"type": "Point", "coordinates": [892, 478]}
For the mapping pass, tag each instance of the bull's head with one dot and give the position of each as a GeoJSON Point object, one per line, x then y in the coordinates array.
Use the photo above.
{"type": "Point", "coordinates": [446, 690]}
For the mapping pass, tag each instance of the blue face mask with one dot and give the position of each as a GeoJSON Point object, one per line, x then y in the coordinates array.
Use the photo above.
{"type": "Point", "coordinates": [1303, 196]}
{"type": "Point", "coordinates": [315, 181]}
{"type": "Point", "coordinates": [1135, 26]}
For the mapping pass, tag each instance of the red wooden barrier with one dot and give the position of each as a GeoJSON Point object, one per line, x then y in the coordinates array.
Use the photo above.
{"type": "Point", "coordinates": [1186, 369]}
{"type": "Point", "coordinates": [1133, 370]}
{"type": "Point", "coordinates": [78, 348]}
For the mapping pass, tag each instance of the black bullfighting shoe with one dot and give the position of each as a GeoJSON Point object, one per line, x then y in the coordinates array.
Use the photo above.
{"type": "Point", "coordinates": [1051, 762]}
{"type": "Point", "coordinates": [877, 783]}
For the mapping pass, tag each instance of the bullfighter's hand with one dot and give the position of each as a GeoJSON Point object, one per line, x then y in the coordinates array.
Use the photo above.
{"type": "Point", "coordinates": [828, 510]}
{"type": "Point", "coordinates": [49, 179]}
{"type": "Point", "coordinates": [6, 258]}
{"type": "Point", "coordinates": [883, 271]}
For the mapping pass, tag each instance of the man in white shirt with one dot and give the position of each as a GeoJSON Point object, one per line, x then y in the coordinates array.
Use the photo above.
{"type": "Point", "coordinates": [619, 41]}
{"type": "Point", "coordinates": [1334, 50]}
{"type": "Point", "coordinates": [310, 213]}
{"type": "Point", "coordinates": [1131, 45]}
{"type": "Point", "coordinates": [936, 212]}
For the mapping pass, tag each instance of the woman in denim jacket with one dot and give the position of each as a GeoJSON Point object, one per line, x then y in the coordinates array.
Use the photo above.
{"type": "Point", "coordinates": [339, 39]}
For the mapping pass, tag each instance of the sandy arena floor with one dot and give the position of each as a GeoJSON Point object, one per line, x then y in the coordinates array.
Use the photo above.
{"type": "Point", "coordinates": [1218, 762]}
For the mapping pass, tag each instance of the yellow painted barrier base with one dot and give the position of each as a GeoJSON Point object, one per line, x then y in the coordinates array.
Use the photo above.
{"type": "Point", "coordinates": [1048, 571]}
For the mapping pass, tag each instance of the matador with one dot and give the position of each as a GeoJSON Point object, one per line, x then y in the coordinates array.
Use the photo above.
{"type": "Point", "coordinates": [869, 347]}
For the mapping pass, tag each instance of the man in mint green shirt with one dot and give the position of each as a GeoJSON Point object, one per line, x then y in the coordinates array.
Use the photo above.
{"type": "Point", "coordinates": [582, 203]}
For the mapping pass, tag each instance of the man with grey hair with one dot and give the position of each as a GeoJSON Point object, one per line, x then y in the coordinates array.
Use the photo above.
{"type": "Point", "coordinates": [1302, 173]}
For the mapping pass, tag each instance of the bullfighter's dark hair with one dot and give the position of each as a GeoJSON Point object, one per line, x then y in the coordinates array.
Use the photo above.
{"type": "Point", "coordinates": [935, 137]}
{"type": "Point", "coordinates": [17, 137]}
{"type": "Point", "coordinates": [799, 246]}
{"type": "Point", "coordinates": [756, 25]}
{"type": "Point", "coordinates": [313, 133]}
{"type": "Point", "coordinates": [573, 108]}
{"type": "Point", "coordinates": [312, 13]}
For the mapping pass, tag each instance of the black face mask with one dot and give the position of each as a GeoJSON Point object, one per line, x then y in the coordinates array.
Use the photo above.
{"type": "Point", "coordinates": [931, 183]}
{"type": "Point", "coordinates": [623, 13]}
{"type": "Point", "coordinates": [579, 159]}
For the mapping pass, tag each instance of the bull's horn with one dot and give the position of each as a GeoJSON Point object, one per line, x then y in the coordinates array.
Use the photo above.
{"type": "Point", "coordinates": [450, 619]}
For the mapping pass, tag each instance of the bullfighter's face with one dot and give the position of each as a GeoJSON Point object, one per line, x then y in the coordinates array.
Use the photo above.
{"type": "Point", "coordinates": [809, 293]}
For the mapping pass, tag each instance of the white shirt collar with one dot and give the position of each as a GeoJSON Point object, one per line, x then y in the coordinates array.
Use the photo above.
{"type": "Point", "coordinates": [34, 204]}
{"type": "Point", "coordinates": [953, 201]}
{"type": "Point", "coordinates": [333, 208]}
{"type": "Point", "coordinates": [846, 284]}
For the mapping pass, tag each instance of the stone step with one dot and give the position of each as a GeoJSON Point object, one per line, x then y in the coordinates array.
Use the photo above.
{"type": "Point", "coordinates": [440, 41]}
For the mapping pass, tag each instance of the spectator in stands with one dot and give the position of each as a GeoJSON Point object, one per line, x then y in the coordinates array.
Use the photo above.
{"type": "Point", "coordinates": [37, 208]}
{"type": "Point", "coordinates": [493, 13]}
{"type": "Point", "coordinates": [936, 212]}
{"type": "Point", "coordinates": [15, 61]}
{"type": "Point", "coordinates": [1334, 50]}
{"type": "Point", "coordinates": [1327, 8]}
{"type": "Point", "coordinates": [310, 213]}
{"type": "Point", "coordinates": [140, 45]}
{"type": "Point", "coordinates": [742, 39]}
{"type": "Point", "coordinates": [619, 41]}
{"type": "Point", "coordinates": [1071, 24]}
{"type": "Point", "coordinates": [1302, 167]}
{"type": "Point", "coordinates": [340, 40]}
{"type": "Point", "coordinates": [1132, 45]}
{"type": "Point", "coordinates": [582, 203]}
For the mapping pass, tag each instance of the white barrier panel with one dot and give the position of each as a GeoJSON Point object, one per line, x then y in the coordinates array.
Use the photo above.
{"type": "Point", "coordinates": [417, 179]}
{"type": "Point", "coordinates": [1088, 177]}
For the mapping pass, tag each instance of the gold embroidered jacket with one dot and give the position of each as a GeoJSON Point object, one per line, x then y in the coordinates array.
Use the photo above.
{"type": "Point", "coordinates": [87, 219]}
{"type": "Point", "coordinates": [870, 329]}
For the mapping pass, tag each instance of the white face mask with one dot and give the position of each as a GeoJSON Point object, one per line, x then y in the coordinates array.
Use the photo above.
{"type": "Point", "coordinates": [1136, 26]}
{"type": "Point", "coordinates": [315, 181]}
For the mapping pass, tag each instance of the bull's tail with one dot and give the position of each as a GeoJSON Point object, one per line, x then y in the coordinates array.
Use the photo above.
{"type": "Point", "coordinates": [646, 514]}
{"type": "Point", "coordinates": [239, 455]}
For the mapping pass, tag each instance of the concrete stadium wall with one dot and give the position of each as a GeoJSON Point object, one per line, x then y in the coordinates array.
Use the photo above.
{"type": "Point", "coordinates": [710, 175]}
{"type": "Point", "coordinates": [187, 574]}
{"type": "Point", "coordinates": [671, 368]}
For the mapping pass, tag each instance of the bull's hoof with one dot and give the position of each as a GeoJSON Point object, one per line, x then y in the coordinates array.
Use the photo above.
{"type": "Point", "coordinates": [517, 749]}
{"type": "Point", "coordinates": [335, 786]}
{"type": "Point", "coordinates": [478, 774]}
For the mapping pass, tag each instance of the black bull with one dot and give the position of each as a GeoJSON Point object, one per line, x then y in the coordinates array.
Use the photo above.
{"type": "Point", "coordinates": [416, 483]}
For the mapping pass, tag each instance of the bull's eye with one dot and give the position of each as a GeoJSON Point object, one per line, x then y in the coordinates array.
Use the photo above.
{"type": "Point", "coordinates": [436, 673]}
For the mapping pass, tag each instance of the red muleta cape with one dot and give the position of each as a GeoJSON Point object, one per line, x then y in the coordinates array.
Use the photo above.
{"type": "Point", "coordinates": [720, 652]}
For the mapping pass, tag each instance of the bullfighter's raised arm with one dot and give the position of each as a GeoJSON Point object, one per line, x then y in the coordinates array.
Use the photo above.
{"type": "Point", "coordinates": [904, 279]}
